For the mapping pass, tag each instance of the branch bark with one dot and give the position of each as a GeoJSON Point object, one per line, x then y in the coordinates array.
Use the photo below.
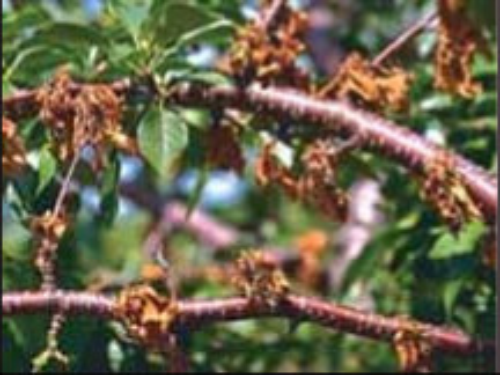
{"type": "Point", "coordinates": [375, 133]}
{"type": "Point", "coordinates": [196, 313]}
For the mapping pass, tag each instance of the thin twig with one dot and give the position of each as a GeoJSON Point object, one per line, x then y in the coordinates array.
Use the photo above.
{"type": "Point", "coordinates": [407, 35]}
{"type": "Point", "coordinates": [270, 16]}
{"type": "Point", "coordinates": [66, 184]}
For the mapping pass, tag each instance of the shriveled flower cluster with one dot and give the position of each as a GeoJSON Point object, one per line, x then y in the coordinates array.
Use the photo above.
{"type": "Point", "coordinates": [444, 188]}
{"type": "Point", "coordinates": [316, 185]}
{"type": "Point", "coordinates": [259, 278]}
{"type": "Point", "coordinates": [268, 55]}
{"type": "Point", "coordinates": [90, 116]}
{"type": "Point", "coordinates": [147, 315]}
{"type": "Point", "coordinates": [458, 42]}
{"type": "Point", "coordinates": [413, 349]}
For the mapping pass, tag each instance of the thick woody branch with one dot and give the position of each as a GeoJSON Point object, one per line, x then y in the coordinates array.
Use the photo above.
{"type": "Point", "coordinates": [195, 313]}
{"type": "Point", "coordinates": [375, 133]}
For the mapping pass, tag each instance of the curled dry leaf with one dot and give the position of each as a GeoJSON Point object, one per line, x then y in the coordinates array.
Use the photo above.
{"type": "Point", "coordinates": [258, 277]}
{"type": "Point", "coordinates": [318, 183]}
{"type": "Point", "coordinates": [13, 152]}
{"type": "Point", "coordinates": [458, 42]}
{"type": "Point", "coordinates": [315, 186]}
{"type": "Point", "coordinates": [268, 170]}
{"type": "Point", "coordinates": [311, 245]}
{"type": "Point", "coordinates": [376, 87]}
{"type": "Point", "coordinates": [147, 315]}
{"type": "Point", "coordinates": [223, 149]}
{"type": "Point", "coordinates": [269, 56]}
{"type": "Point", "coordinates": [88, 116]}
{"type": "Point", "coordinates": [413, 349]}
{"type": "Point", "coordinates": [446, 191]}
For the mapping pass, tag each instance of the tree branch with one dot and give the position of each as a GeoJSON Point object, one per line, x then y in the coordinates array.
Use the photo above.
{"type": "Point", "coordinates": [375, 133]}
{"type": "Point", "coordinates": [407, 35]}
{"type": "Point", "coordinates": [195, 313]}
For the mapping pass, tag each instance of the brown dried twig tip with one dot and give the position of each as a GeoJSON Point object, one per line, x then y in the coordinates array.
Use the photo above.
{"type": "Point", "coordinates": [47, 231]}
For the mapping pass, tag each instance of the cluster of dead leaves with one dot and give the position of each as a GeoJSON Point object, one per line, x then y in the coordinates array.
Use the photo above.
{"type": "Point", "coordinates": [413, 349]}
{"type": "Point", "coordinates": [268, 55]}
{"type": "Point", "coordinates": [458, 42]}
{"type": "Point", "coordinates": [316, 185]}
{"type": "Point", "coordinates": [375, 87]}
{"type": "Point", "coordinates": [223, 149]}
{"type": "Point", "coordinates": [13, 152]}
{"type": "Point", "coordinates": [147, 315]}
{"type": "Point", "coordinates": [445, 189]}
{"type": "Point", "coordinates": [89, 115]}
{"type": "Point", "coordinates": [258, 277]}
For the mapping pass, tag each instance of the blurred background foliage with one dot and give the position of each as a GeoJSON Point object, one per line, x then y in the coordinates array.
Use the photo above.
{"type": "Point", "coordinates": [410, 264]}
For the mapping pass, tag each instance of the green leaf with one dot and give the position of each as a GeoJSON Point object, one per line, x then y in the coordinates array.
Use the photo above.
{"type": "Point", "coordinates": [131, 14]}
{"type": "Point", "coordinates": [47, 168]}
{"type": "Point", "coordinates": [169, 21]}
{"type": "Point", "coordinates": [162, 137]}
{"type": "Point", "coordinates": [449, 245]}
{"type": "Point", "coordinates": [109, 192]}
{"type": "Point", "coordinates": [450, 294]}
{"type": "Point", "coordinates": [7, 87]}
{"type": "Point", "coordinates": [15, 358]}
{"type": "Point", "coordinates": [220, 28]}
{"type": "Point", "coordinates": [71, 34]}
